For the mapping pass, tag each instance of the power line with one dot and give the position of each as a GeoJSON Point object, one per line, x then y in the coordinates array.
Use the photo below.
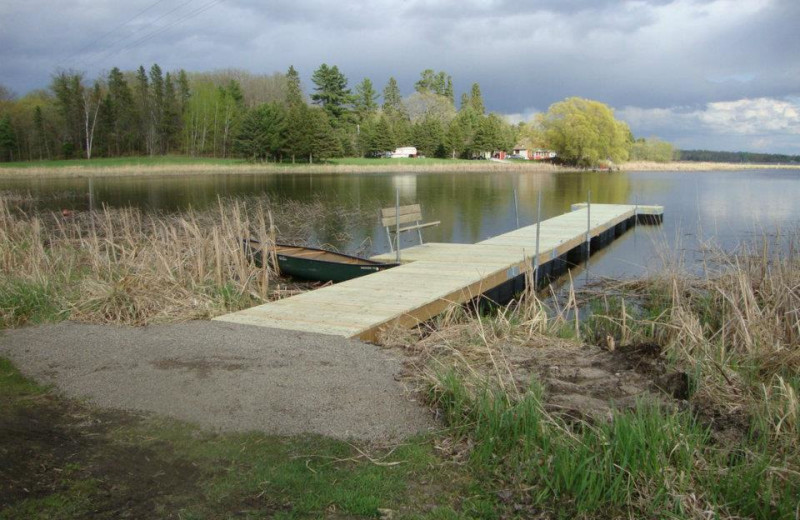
{"type": "Point", "coordinates": [203, 8]}
{"type": "Point", "coordinates": [112, 31]}
{"type": "Point", "coordinates": [135, 31]}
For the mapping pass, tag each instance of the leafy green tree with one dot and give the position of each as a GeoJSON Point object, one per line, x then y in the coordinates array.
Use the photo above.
{"type": "Point", "coordinates": [331, 92]}
{"type": "Point", "coordinates": [429, 105]}
{"type": "Point", "coordinates": [652, 149]}
{"type": "Point", "coordinates": [584, 132]}
{"type": "Point", "coordinates": [261, 135]}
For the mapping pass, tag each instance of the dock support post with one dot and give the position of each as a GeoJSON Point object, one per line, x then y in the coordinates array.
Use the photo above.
{"type": "Point", "coordinates": [397, 222]}
{"type": "Point", "coordinates": [538, 227]}
{"type": "Point", "coordinates": [516, 208]}
{"type": "Point", "coordinates": [588, 223]}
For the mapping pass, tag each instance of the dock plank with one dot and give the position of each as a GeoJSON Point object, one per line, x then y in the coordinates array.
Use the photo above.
{"type": "Point", "coordinates": [433, 276]}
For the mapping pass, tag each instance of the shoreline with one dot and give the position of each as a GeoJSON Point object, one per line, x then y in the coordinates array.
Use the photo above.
{"type": "Point", "coordinates": [133, 170]}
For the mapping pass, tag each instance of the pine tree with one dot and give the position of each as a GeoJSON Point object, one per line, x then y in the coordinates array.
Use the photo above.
{"type": "Point", "coordinates": [392, 99]}
{"type": "Point", "coordinates": [142, 93]}
{"type": "Point", "coordinates": [476, 100]}
{"type": "Point", "coordinates": [294, 91]}
{"type": "Point", "coordinates": [156, 123]}
{"type": "Point", "coordinates": [8, 139]}
{"type": "Point", "coordinates": [331, 92]}
{"type": "Point", "coordinates": [262, 133]}
{"type": "Point", "coordinates": [365, 102]}
{"type": "Point", "coordinates": [120, 114]}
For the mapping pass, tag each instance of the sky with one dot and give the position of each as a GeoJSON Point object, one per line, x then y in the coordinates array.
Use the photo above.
{"type": "Point", "coordinates": [710, 74]}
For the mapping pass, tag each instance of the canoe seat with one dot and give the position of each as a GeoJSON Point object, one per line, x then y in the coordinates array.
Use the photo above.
{"type": "Point", "coordinates": [396, 221]}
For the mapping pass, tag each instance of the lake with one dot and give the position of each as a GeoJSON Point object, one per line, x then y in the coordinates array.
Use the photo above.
{"type": "Point", "coordinates": [701, 208]}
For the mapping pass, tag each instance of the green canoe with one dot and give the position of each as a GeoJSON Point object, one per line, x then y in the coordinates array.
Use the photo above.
{"type": "Point", "coordinates": [309, 263]}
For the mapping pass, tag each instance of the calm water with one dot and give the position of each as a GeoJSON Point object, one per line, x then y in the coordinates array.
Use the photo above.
{"type": "Point", "coordinates": [707, 207]}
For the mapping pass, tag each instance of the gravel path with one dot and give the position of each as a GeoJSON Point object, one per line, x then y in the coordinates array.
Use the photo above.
{"type": "Point", "coordinates": [225, 376]}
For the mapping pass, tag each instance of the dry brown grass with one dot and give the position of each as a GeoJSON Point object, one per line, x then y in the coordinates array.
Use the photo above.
{"type": "Point", "coordinates": [128, 266]}
{"type": "Point", "coordinates": [130, 170]}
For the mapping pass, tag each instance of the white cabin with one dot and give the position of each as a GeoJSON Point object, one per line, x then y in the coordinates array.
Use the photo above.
{"type": "Point", "coordinates": [404, 151]}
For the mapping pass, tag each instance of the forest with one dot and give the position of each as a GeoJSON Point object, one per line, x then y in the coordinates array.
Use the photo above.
{"type": "Point", "coordinates": [234, 113]}
{"type": "Point", "coordinates": [738, 157]}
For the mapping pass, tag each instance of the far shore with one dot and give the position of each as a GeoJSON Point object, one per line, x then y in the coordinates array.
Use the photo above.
{"type": "Point", "coordinates": [187, 166]}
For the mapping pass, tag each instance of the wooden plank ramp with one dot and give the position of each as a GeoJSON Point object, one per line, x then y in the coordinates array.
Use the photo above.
{"type": "Point", "coordinates": [436, 275]}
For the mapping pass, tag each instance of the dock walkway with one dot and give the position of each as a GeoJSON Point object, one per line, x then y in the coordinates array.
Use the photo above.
{"type": "Point", "coordinates": [436, 275]}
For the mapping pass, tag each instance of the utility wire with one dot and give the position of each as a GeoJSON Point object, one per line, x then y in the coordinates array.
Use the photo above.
{"type": "Point", "coordinates": [122, 38]}
{"type": "Point", "coordinates": [203, 8]}
{"type": "Point", "coordinates": [114, 30]}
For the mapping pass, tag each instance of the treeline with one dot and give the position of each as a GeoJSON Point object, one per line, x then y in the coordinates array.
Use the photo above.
{"type": "Point", "coordinates": [235, 113]}
{"type": "Point", "coordinates": [738, 157]}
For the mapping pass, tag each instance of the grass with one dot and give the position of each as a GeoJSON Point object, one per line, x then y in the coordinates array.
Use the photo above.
{"type": "Point", "coordinates": [129, 267]}
{"type": "Point", "coordinates": [729, 450]}
{"type": "Point", "coordinates": [114, 162]}
{"type": "Point", "coordinates": [726, 449]}
{"type": "Point", "coordinates": [182, 165]}
{"type": "Point", "coordinates": [69, 461]}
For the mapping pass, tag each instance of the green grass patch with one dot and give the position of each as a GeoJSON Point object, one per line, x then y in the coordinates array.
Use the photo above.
{"type": "Point", "coordinates": [25, 301]}
{"type": "Point", "coordinates": [363, 161]}
{"type": "Point", "coordinates": [648, 462]}
{"type": "Point", "coordinates": [102, 162]}
{"type": "Point", "coordinates": [75, 461]}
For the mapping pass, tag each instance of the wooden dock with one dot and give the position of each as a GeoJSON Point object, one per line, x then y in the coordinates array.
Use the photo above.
{"type": "Point", "coordinates": [436, 275]}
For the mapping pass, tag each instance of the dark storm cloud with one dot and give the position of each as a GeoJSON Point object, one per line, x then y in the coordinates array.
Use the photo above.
{"type": "Point", "coordinates": [654, 60]}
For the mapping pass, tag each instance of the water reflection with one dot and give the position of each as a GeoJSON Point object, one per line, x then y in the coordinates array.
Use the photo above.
{"type": "Point", "coordinates": [723, 206]}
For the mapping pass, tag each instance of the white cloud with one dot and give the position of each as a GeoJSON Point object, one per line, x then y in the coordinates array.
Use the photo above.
{"type": "Point", "coordinates": [746, 124]}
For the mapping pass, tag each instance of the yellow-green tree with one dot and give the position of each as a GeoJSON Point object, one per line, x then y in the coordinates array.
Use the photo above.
{"type": "Point", "coordinates": [584, 132]}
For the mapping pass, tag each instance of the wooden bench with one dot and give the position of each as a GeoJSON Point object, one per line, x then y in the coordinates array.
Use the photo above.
{"type": "Point", "coordinates": [395, 220]}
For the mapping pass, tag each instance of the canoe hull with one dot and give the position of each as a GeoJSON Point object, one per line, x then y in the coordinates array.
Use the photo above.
{"type": "Point", "coordinates": [320, 265]}
{"type": "Point", "coordinates": [325, 271]}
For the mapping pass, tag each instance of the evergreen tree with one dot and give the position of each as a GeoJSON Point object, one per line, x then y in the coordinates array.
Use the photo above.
{"type": "Point", "coordinates": [322, 141]}
{"type": "Point", "coordinates": [184, 92]}
{"type": "Point", "coordinates": [365, 103]}
{"type": "Point", "coordinates": [171, 116]}
{"type": "Point", "coordinates": [69, 91]}
{"type": "Point", "coordinates": [392, 100]}
{"type": "Point", "coordinates": [448, 91]}
{"type": "Point", "coordinates": [8, 139]}
{"type": "Point", "coordinates": [476, 100]}
{"type": "Point", "coordinates": [294, 91]}
{"type": "Point", "coordinates": [142, 95]}
{"type": "Point", "coordinates": [262, 133]}
{"type": "Point", "coordinates": [331, 92]}
{"type": "Point", "coordinates": [464, 101]}
{"type": "Point", "coordinates": [119, 116]}
{"type": "Point", "coordinates": [428, 136]}
{"type": "Point", "coordinates": [156, 123]}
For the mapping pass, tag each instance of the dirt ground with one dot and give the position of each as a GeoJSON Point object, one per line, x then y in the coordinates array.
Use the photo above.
{"type": "Point", "coordinates": [47, 448]}
{"type": "Point", "coordinates": [225, 377]}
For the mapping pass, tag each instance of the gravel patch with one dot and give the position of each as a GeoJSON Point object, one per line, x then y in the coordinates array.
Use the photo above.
{"type": "Point", "coordinates": [225, 377]}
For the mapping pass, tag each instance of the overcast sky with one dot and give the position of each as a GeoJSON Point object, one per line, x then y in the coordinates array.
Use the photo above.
{"type": "Point", "coordinates": [715, 74]}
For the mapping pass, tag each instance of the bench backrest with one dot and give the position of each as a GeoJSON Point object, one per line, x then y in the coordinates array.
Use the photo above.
{"type": "Point", "coordinates": [407, 214]}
